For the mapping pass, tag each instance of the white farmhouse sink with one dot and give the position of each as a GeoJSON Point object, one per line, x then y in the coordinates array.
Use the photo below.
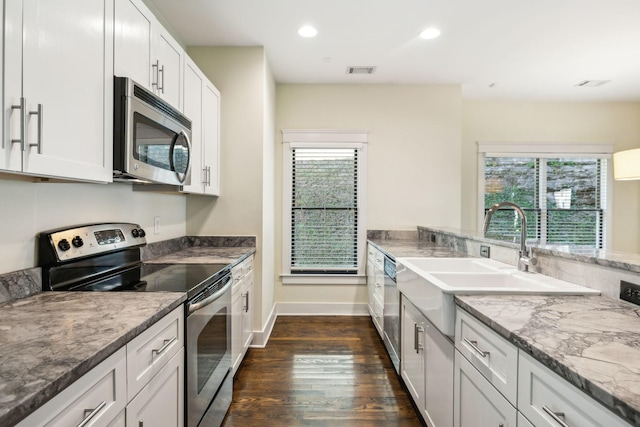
{"type": "Point", "coordinates": [431, 283]}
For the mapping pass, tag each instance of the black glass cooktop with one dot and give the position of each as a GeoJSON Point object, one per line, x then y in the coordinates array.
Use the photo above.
{"type": "Point", "coordinates": [190, 278]}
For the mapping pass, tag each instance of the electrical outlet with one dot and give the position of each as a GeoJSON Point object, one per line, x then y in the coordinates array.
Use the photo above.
{"type": "Point", "coordinates": [485, 251]}
{"type": "Point", "coordinates": [156, 225]}
{"type": "Point", "coordinates": [630, 292]}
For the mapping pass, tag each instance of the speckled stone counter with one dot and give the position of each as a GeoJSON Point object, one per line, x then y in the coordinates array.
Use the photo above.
{"type": "Point", "coordinates": [205, 255]}
{"type": "Point", "coordinates": [49, 340]}
{"type": "Point", "coordinates": [397, 248]}
{"type": "Point", "coordinates": [592, 342]}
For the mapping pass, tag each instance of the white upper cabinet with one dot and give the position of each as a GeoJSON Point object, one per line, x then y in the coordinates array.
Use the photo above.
{"type": "Point", "coordinates": [58, 83]}
{"type": "Point", "coordinates": [146, 52]}
{"type": "Point", "coordinates": [202, 106]}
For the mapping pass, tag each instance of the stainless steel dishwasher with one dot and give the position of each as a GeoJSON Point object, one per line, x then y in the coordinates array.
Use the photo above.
{"type": "Point", "coordinates": [391, 312]}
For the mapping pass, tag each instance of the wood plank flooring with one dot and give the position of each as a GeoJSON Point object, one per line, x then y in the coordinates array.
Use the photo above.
{"type": "Point", "coordinates": [320, 371]}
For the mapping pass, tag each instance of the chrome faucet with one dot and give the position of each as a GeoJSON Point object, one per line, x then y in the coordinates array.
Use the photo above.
{"type": "Point", "coordinates": [526, 255]}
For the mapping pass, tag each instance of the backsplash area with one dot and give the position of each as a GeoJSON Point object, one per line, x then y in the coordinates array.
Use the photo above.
{"type": "Point", "coordinates": [594, 269]}
{"type": "Point", "coordinates": [24, 283]}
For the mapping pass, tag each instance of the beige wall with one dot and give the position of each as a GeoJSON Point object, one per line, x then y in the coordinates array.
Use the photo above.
{"type": "Point", "coordinates": [241, 75]}
{"type": "Point", "coordinates": [617, 123]}
{"type": "Point", "coordinates": [30, 207]}
{"type": "Point", "coordinates": [413, 158]}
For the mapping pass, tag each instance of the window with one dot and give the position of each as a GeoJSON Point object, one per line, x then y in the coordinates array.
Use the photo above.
{"type": "Point", "coordinates": [562, 189]}
{"type": "Point", "coordinates": [323, 219]}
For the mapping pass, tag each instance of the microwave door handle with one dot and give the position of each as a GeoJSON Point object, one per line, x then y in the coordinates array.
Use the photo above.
{"type": "Point", "coordinates": [174, 141]}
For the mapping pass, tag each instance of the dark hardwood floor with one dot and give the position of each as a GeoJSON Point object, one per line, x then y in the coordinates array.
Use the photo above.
{"type": "Point", "coordinates": [320, 371]}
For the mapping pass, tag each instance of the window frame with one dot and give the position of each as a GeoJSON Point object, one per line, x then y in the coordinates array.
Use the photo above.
{"type": "Point", "coordinates": [548, 150]}
{"type": "Point", "coordinates": [314, 138]}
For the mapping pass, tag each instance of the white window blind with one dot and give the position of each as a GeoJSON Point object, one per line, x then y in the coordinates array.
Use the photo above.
{"type": "Point", "coordinates": [324, 210]}
{"type": "Point", "coordinates": [564, 198]}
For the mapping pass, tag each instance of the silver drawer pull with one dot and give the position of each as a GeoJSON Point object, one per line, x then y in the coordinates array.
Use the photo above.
{"type": "Point", "coordinates": [557, 416]}
{"type": "Point", "coordinates": [92, 413]}
{"type": "Point", "coordinates": [162, 349]}
{"type": "Point", "coordinates": [474, 346]}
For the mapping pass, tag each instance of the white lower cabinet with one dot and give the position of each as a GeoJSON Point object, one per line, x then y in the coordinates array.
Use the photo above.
{"type": "Point", "coordinates": [98, 398]}
{"type": "Point", "coordinates": [476, 402]}
{"type": "Point", "coordinates": [426, 366]}
{"type": "Point", "coordinates": [522, 421]}
{"type": "Point", "coordinates": [548, 400]}
{"type": "Point", "coordinates": [375, 286]}
{"type": "Point", "coordinates": [241, 311]}
{"type": "Point", "coordinates": [498, 385]}
{"type": "Point", "coordinates": [161, 402]}
{"type": "Point", "coordinates": [140, 385]}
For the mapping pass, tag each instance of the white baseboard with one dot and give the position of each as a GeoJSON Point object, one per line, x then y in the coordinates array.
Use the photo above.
{"type": "Point", "coordinates": [260, 338]}
{"type": "Point", "coordinates": [322, 309]}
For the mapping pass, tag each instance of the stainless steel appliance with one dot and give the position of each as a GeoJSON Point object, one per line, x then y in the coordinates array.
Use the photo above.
{"type": "Point", "coordinates": [106, 257]}
{"type": "Point", "coordinates": [151, 139]}
{"type": "Point", "coordinates": [391, 313]}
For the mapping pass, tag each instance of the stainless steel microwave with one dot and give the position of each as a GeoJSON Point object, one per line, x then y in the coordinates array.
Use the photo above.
{"type": "Point", "coordinates": [152, 139]}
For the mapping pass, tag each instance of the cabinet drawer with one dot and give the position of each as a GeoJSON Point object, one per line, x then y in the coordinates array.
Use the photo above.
{"type": "Point", "coordinates": [99, 394]}
{"type": "Point", "coordinates": [150, 351]}
{"type": "Point", "coordinates": [476, 402]}
{"type": "Point", "coordinates": [543, 395]}
{"type": "Point", "coordinates": [492, 355]}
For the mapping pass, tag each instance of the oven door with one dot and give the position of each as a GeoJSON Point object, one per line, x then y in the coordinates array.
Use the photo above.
{"type": "Point", "coordinates": [208, 352]}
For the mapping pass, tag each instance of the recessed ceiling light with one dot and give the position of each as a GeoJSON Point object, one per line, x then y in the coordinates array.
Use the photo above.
{"type": "Point", "coordinates": [430, 33]}
{"type": "Point", "coordinates": [307, 31]}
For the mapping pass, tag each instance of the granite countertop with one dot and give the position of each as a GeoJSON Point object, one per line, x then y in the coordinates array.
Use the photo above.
{"type": "Point", "coordinates": [397, 248]}
{"type": "Point", "coordinates": [205, 255]}
{"type": "Point", "coordinates": [592, 342]}
{"type": "Point", "coordinates": [49, 340]}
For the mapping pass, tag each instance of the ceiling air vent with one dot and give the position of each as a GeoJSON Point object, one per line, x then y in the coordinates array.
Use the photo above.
{"type": "Point", "coordinates": [592, 83]}
{"type": "Point", "coordinates": [361, 70]}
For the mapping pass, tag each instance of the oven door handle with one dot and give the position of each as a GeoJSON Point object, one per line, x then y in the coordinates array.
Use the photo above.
{"type": "Point", "coordinates": [211, 298]}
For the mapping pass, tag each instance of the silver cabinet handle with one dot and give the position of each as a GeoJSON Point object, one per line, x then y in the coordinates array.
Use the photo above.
{"type": "Point", "coordinates": [417, 329]}
{"type": "Point", "coordinates": [161, 70]}
{"type": "Point", "coordinates": [23, 123]}
{"type": "Point", "coordinates": [209, 176]}
{"type": "Point", "coordinates": [156, 68]}
{"type": "Point", "coordinates": [557, 416]}
{"type": "Point", "coordinates": [166, 345]}
{"type": "Point", "coordinates": [38, 113]}
{"type": "Point", "coordinates": [246, 301]}
{"type": "Point", "coordinates": [92, 414]}
{"type": "Point", "coordinates": [474, 346]}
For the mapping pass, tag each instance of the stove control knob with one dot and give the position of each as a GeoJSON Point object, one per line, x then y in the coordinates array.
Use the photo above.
{"type": "Point", "coordinates": [64, 245]}
{"type": "Point", "coordinates": [77, 242]}
{"type": "Point", "coordinates": [141, 233]}
{"type": "Point", "coordinates": [135, 232]}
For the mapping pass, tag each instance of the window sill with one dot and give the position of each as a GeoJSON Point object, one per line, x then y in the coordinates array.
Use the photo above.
{"type": "Point", "coordinates": [323, 279]}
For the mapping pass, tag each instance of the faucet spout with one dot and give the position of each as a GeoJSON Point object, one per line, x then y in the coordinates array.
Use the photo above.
{"type": "Point", "coordinates": [526, 258]}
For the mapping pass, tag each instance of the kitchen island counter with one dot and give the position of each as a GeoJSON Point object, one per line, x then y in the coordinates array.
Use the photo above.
{"type": "Point", "coordinates": [49, 340]}
{"type": "Point", "coordinates": [593, 342]}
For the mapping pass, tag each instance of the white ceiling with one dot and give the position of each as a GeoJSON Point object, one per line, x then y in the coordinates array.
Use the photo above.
{"type": "Point", "coordinates": [529, 49]}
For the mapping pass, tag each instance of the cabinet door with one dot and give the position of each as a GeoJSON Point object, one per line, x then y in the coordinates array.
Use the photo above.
{"type": "Point", "coordinates": [68, 82]}
{"type": "Point", "coordinates": [247, 312]}
{"type": "Point", "coordinates": [371, 284]}
{"type": "Point", "coordinates": [161, 402]}
{"type": "Point", "coordinates": [412, 363]}
{"type": "Point", "coordinates": [132, 38]}
{"type": "Point", "coordinates": [11, 153]}
{"type": "Point", "coordinates": [236, 326]}
{"type": "Point", "coordinates": [211, 137]}
{"type": "Point", "coordinates": [476, 402]}
{"type": "Point", "coordinates": [193, 85]}
{"type": "Point", "coordinates": [169, 56]}
{"type": "Point", "coordinates": [439, 377]}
